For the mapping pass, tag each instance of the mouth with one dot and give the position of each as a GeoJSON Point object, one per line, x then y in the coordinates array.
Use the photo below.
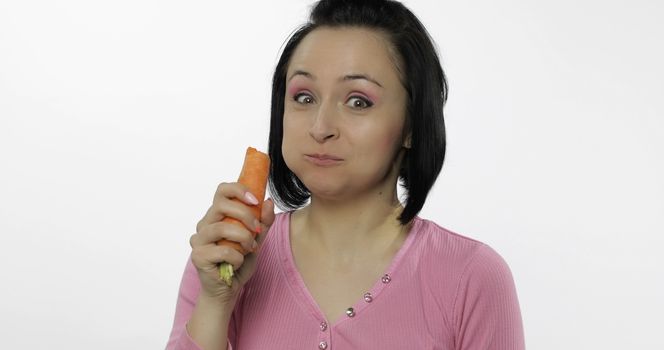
{"type": "Point", "coordinates": [322, 159]}
{"type": "Point", "coordinates": [323, 156]}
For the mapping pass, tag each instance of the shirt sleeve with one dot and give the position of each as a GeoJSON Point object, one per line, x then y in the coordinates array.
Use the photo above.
{"type": "Point", "coordinates": [187, 296]}
{"type": "Point", "coordinates": [486, 308]}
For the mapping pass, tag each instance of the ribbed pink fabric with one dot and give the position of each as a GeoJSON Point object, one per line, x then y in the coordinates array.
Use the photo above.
{"type": "Point", "coordinates": [441, 291]}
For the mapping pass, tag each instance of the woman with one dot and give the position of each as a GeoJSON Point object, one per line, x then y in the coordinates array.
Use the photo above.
{"type": "Point", "coordinates": [357, 104]}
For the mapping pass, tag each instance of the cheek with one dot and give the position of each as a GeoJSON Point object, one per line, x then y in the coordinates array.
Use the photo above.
{"type": "Point", "coordinates": [286, 139]}
{"type": "Point", "coordinates": [379, 150]}
{"type": "Point", "coordinates": [383, 147]}
{"type": "Point", "coordinates": [390, 140]}
{"type": "Point", "coordinates": [291, 139]}
{"type": "Point", "coordinates": [292, 129]}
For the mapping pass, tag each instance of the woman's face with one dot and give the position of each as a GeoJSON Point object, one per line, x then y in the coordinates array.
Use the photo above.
{"type": "Point", "coordinates": [343, 99]}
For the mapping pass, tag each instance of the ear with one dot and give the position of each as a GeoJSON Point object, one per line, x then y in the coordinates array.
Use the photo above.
{"type": "Point", "coordinates": [407, 141]}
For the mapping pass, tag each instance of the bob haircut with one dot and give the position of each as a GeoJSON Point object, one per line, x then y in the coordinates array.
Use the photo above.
{"type": "Point", "coordinates": [421, 74]}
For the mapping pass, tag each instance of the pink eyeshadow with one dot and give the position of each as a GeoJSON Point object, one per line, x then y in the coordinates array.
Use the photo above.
{"type": "Point", "coordinates": [295, 88]}
{"type": "Point", "coordinates": [370, 96]}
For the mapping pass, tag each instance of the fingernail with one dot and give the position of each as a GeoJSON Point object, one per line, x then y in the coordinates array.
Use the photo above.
{"type": "Point", "coordinates": [254, 245]}
{"type": "Point", "coordinates": [250, 198]}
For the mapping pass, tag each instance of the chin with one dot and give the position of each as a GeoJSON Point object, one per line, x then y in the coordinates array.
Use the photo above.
{"type": "Point", "coordinates": [323, 187]}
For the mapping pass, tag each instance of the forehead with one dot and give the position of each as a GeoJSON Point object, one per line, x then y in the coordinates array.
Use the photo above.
{"type": "Point", "coordinates": [331, 52]}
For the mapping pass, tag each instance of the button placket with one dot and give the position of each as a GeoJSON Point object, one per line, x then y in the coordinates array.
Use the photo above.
{"type": "Point", "coordinates": [368, 296]}
{"type": "Point", "coordinates": [323, 341]}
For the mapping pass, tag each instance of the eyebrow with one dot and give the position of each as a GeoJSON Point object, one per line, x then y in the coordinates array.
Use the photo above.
{"type": "Point", "coordinates": [347, 77]}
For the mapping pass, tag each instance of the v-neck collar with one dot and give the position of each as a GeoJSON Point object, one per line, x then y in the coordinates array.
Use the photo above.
{"type": "Point", "coordinates": [302, 294]}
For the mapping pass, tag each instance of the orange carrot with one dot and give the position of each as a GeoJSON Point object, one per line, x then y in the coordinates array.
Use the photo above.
{"type": "Point", "coordinates": [254, 175]}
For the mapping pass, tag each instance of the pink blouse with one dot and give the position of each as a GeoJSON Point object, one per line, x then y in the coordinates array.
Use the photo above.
{"type": "Point", "coordinates": [441, 291]}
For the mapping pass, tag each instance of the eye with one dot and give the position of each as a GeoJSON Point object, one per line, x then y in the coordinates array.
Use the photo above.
{"type": "Point", "coordinates": [358, 102]}
{"type": "Point", "coordinates": [303, 98]}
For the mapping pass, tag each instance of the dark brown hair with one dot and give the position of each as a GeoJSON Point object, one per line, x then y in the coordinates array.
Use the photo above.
{"type": "Point", "coordinates": [422, 76]}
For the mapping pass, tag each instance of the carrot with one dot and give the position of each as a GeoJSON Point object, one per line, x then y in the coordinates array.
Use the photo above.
{"type": "Point", "coordinates": [254, 175]}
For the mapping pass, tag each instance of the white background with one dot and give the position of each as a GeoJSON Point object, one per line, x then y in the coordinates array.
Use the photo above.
{"type": "Point", "coordinates": [118, 120]}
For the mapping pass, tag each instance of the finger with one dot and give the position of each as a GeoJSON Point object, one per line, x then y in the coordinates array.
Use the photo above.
{"type": "Point", "coordinates": [224, 230]}
{"type": "Point", "coordinates": [268, 216]}
{"type": "Point", "coordinates": [244, 275]}
{"type": "Point", "coordinates": [267, 212]}
{"type": "Point", "coordinates": [230, 208]}
{"type": "Point", "coordinates": [208, 257]}
{"type": "Point", "coordinates": [225, 191]}
{"type": "Point", "coordinates": [235, 190]}
{"type": "Point", "coordinates": [206, 219]}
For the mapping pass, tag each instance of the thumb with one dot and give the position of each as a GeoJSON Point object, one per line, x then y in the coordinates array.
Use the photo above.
{"type": "Point", "coordinates": [267, 212]}
{"type": "Point", "coordinates": [267, 217]}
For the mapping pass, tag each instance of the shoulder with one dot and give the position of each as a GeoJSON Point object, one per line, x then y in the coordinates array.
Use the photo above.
{"type": "Point", "coordinates": [280, 219]}
{"type": "Point", "coordinates": [441, 243]}
{"type": "Point", "coordinates": [474, 286]}
{"type": "Point", "coordinates": [279, 225]}
{"type": "Point", "coordinates": [459, 260]}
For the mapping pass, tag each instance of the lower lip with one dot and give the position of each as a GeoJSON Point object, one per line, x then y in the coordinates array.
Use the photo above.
{"type": "Point", "coordinates": [322, 162]}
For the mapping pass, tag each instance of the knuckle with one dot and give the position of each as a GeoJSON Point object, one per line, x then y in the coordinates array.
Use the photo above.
{"type": "Point", "coordinates": [202, 235]}
{"type": "Point", "coordinates": [198, 225]}
{"type": "Point", "coordinates": [220, 206]}
{"type": "Point", "coordinates": [196, 257]}
{"type": "Point", "coordinates": [221, 186]}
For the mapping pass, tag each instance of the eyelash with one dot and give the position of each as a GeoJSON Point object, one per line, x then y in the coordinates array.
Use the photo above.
{"type": "Point", "coordinates": [367, 103]}
{"type": "Point", "coordinates": [298, 95]}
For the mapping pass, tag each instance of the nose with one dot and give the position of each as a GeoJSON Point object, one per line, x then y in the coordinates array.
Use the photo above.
{"type": "Point", "coordinates": [324, 126]}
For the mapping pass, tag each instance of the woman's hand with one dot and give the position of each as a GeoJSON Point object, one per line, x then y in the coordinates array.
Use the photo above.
{"type": "Point", "coordinates": [207, 255]}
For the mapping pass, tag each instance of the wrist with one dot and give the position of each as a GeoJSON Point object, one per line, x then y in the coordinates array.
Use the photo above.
{"type": "Point", "coordinates": [216, 303]}
{"type": "Point", "coordinates": [208, 324]}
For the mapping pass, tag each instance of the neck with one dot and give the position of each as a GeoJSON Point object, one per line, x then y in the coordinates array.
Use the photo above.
{"type": "Point", "coordinates": [346, 229]}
